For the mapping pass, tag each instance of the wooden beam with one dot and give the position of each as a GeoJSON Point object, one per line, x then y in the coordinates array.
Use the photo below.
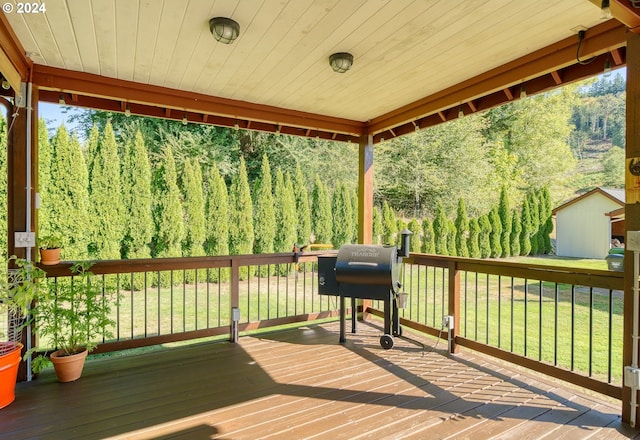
{"type": "Point", "coordinates": [598, 40]}
{"type": "Point", "coordinates": [109, 88]}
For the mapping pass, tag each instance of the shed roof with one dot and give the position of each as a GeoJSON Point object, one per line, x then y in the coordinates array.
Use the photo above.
{"type": "Point", "coordinates": [616, 195]}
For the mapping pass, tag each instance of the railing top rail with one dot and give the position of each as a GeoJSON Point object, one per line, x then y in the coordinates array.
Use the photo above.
{"type": "Point", "coordinates": [101, 267]}
{"type": "Point", "coordinates": [559, 274]}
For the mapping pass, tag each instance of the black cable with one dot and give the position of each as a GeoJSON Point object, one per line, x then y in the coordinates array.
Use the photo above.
{"type": "Point", "coordinates": [580, 38]}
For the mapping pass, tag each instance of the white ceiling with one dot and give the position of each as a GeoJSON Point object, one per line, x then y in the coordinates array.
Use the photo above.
{"type": "Point", "coordinates": [404, 50]}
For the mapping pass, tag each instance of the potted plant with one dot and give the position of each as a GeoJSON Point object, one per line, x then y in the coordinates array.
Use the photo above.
{"type": "Point", "coordinates": [71, 316]}
{"type": "Point", "coordinates": [49, 246]}
{"type": "Point", "coordinates": [16, 295]}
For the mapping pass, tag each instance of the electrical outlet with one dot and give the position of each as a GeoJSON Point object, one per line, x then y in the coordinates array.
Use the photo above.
{"type": "Point", "coordinates": [632, 377]}
{"type": "Point", "coordinates": [632, 242]}
{"type": "Point", "coordinates": [25, 239]}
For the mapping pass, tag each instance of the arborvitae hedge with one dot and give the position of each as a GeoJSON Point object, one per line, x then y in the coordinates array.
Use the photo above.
{"type": "Point", "coordinates": [136, 180]}
{"type": "Point", "coordinates": [451, 238]}
{"type": "Point", "coordinates": [534, 219]}
{"type": "Point", "coordinates": [462, 230]}
{"type": "Point", "coordinates": [264, 218]}
{"type": "Point", "coordinates": [69, 197]}
{"type": "Point", "coordinates": [217, 219]}
{"type": "Point", "coordinates": [428, 243]}
{"type": "Point", "coordinates": [389, 224]}
{"type": "Point", "coordinates": [516, 232]}
{"type": "Point", "coordinates": [105, 194]}
{"type": "Point", "coordinates": [440, 231]}
{"type": "Point", "coordinates": [194, 224]}
{"type": "Point", "coordinates": [504, 212]}
{"type": "Point", "coordinates": [342, 211]}
{"type": "Point", "coordinates": [484, 237]}
{"type": "Point", "coordinates": [377, 225]}
{"type": "Point", "coordinates": [525, 235]}
{"type": "Point", "coordinates": [474, 237]}
{"type": "Point", "coordinates": [547, 222]}
{"type": "Point", "coordinates": [496, 233]}
{"type": "Point", "coordinates": [240, 216]}
{"type": "Point", "coordinates": [416, 232]}
{"type": "Point", "coordinates": [286, 220]}
{"type": "Point", "coordinates": [302, 208]}
{"type": "Point", "coordinates": [321, 219]}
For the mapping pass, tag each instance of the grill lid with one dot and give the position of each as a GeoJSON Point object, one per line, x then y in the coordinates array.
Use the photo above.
{"type": "Point", "coordinates": [360, 264]}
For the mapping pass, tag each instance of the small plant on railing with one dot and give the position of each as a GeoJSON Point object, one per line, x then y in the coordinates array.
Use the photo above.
{"type": "Point", "coordinates": [49, 246]}
{"type": "Point", "coordinates": [71, 316]}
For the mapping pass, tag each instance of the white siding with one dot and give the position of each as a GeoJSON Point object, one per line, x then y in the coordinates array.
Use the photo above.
{"type": "Point", "coordinates": [583, 228]}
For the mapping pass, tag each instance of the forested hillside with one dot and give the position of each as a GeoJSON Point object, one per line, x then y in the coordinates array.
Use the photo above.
{"type": "Point", "coordinates": [482, 185]}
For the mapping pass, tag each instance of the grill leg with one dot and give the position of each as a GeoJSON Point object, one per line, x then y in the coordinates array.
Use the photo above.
{"type": "Point", "coordinates": [353, 315]}
{"type": "Point", "coordinates": [343, 338]}
{"type": "Point", "coordinates": [387, 314]}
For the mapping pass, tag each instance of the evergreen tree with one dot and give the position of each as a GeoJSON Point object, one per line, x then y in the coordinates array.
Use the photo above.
{"type": "Point", "coordinates": [136, 181]}
{"type": "Point", "coordinates": [377, 225]}
{"type": "Point", "coordinates": [45, 157]}
{"type": "Point", "coordinates": [546, 221]}
{"type": "Point", "coordinates": [168, 215]}
{"type": "Point", "coordinates": [241, 233]}
{"type": "Point", "coordinates": [534, 219]}
{"type": "Point", "coordinates": [451, 238]}
{"type": "Point", "coordinates": [321, 219]}
{"type": "Point", "coordinates": [440, 231]}
{"type": "Point", "coordinates": [428, 243]}
{"type": "Point", "coordinates": [302, 207]}
{"type": "Point", "coordinates": [504, 212]}
{"type": "Point", "coordinates": [217, 221]}
{"type": "Point", "coordinates": [69, 197]}
{"type": "Point", "coordinates": [496, 233]}
{"type": "Point", "coordinates": [474, 237]}
{"type": "Point", "coordinates": [525, 235]}
{"type": "Point", "coordinates": [105, 192]}
{"type": "Point", "coordinates": [91, 147]}
{"type": "Point", "coordinates": [286, 217]}
{"type": "Point", "coordinates": [484, 239]}
{"type": "Point", "coordinates": [353, 195]}
{"type": "Point", "coordinates": [414, 227]}
{"type": "Point", "coordinates": [341, 209]}
{"type": "Point", "coordinates": [194, 221]}
{"type": "Point", "coordinates": [516, 232]}
{"type": "Point", "coordinates": [462, 230]}
{"type": "Point", "coordinates": [389, 224]}
{"type": "Point", "coordinates": [264, 218]}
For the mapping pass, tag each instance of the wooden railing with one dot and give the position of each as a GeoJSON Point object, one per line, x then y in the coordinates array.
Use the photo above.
{"type": "Point", "coordinates": [563, 322]}
{"type": "Point", "coordinates": [174, 299]}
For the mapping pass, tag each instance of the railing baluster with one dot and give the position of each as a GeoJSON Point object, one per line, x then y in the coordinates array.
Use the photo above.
{"type": "Point", "coordinates": [540, 292]}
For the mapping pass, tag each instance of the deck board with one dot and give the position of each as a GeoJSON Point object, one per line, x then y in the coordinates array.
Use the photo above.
{"type": "Point", "coordinates": [300, 383]}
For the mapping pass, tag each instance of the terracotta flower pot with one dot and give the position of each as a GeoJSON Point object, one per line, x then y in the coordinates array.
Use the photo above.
{"type": "Point", "coordinates": [68, 368]}
{"type": "Point", "coordinates": [50, 256]}
{"type": "Point", "coordinates": [9, 361]}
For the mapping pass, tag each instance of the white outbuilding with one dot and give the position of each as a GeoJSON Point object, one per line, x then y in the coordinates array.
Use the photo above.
{"type": "Point", "coordinates": [586, 226]}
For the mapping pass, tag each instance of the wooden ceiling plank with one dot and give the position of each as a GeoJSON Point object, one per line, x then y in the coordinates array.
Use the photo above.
{"type": "Point", "coordinates": [80, 14]}
{"type": "Point", "coordinates": [13, 63]}
{"type": "Point", "coordinates": [126, 22]}
{"type": "Point", "coordinates": [146, 42]}
{"type": "Point", "coordinates": [104, 22]}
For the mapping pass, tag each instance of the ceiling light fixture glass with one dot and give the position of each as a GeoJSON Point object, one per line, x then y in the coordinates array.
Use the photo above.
{"type": "Point", "coordinates": [185, 121]}
{"type": "Point", "coordinates": [607, 68]}
{"type": "Point", "coordinates": [224, 30]}
{"type": "Point", "coordinates": [5, 83]}
{"type": "Point", "coordinates": [127, 111]}
{"type": "Point", "coordinates": [523, 92]}
{"type": "Point", "coordinates": [341, 62]}
{"type": "Point", "coordinates": [61, 100]}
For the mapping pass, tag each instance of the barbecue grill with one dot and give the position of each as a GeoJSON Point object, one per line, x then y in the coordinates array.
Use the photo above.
{"type": "Point", "coordinates": [361, 271]}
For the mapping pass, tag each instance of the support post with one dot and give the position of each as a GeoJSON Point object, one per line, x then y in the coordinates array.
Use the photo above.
{"type": "Point", "coordinates": [632, 206]}
{"type": "Point", "coordinates": [365, 201]}
{"type": "Point", "coordinates": [234, 311]}
{"type": "Point", "coordinates": [454, 306]}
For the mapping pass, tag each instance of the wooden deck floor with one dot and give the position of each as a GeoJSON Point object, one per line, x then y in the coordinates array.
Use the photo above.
{"type": "Point", "coordinates": [301, 383]}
